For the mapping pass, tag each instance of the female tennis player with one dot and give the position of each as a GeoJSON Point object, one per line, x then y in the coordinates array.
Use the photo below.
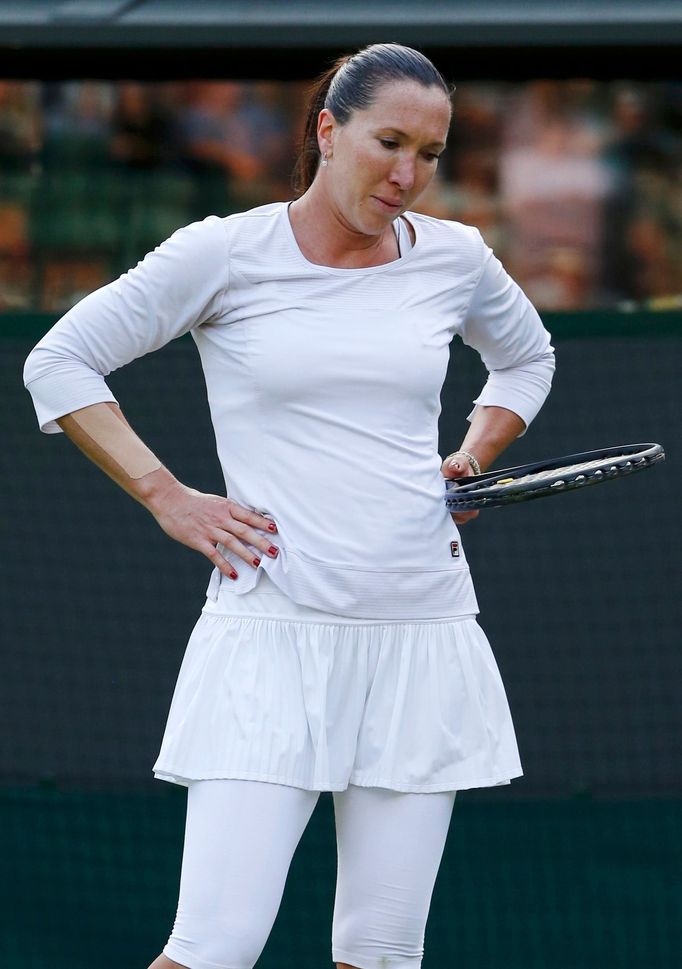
{"type": "Point", "coordinates": [338, 648]}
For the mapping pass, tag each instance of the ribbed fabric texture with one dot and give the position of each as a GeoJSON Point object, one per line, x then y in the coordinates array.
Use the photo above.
{"type": "Point", "coordinates": [271, 690]}
{"type": "Point", "coordinates": [324, 388]}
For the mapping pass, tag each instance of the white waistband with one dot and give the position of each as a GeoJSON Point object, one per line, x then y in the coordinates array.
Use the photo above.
{"type": "Point", "coordinates": [267, 601]}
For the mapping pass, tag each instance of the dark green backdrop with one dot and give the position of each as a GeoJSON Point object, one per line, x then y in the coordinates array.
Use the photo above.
{"type": "Point", "coordinates": [575, 866]}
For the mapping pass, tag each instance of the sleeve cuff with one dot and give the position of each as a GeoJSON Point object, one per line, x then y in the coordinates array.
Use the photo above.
{"type": "Point", "coordinates": [521, 390]}
{"type": "Point", "coordinates": [54, 396]}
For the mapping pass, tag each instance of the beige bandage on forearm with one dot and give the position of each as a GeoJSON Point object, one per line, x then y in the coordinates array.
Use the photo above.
{"type": "Point", "coordinates": [117, 440]}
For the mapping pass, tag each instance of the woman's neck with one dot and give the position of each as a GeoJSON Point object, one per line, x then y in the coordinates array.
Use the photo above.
{"type": "Point", "coordinates": [325, 239]}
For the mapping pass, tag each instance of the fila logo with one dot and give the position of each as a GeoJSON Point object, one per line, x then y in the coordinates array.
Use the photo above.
{"type": "Point", "coordinates": [454, 549]}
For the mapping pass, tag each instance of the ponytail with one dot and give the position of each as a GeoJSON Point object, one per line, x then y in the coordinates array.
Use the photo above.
{"type": "Point", "coordinates": [309, 155]}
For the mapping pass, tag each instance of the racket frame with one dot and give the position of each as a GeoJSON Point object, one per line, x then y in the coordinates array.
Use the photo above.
{"type": "Point", "coordinates": [465, 494]}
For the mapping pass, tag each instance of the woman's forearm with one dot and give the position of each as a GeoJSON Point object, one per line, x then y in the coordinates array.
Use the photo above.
{"type": "Point", "coordinates": [103, 434]}
{"type": "Point", "coordinates": [208, 523]}
{"type": "Point", "coordinates": [492, 430]}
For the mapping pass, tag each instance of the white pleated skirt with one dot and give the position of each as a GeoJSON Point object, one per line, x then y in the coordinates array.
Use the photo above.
{"type": "Point", "coordinates": [271, 690]}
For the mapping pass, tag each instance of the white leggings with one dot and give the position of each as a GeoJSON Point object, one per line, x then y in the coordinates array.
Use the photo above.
{"type": "Point", "coordinates": [239, 841]}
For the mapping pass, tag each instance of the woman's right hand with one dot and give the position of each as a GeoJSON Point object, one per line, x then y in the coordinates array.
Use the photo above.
{"type": "Point", "coordinates": [456, 465]}
{"type": "Point", "coordinates": [203, 521]}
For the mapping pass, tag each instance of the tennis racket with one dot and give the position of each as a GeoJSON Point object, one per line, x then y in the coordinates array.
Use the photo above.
{"type": "Point", "coordinates": [552, 477]}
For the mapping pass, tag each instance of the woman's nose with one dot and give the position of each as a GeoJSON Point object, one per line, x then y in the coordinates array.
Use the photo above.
{"type": "Point", "coordinates": [403, 174]}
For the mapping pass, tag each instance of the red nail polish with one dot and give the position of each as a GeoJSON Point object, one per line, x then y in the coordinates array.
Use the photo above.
{"type": "Point", "coordinates": [272, 527]}
{"type": "Point", "coordinates": [256, 562]}
{"type": "Point", "coordinates": [233, 575]}
{"type": "Point", "coordinates": [272, 550]}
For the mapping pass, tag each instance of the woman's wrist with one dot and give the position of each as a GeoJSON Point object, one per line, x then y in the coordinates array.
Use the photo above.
{"type": "Point", "coordinates": [154, 489]}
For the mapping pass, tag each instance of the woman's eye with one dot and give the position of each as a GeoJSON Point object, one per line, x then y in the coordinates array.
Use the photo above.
{"type": "Point", "coordinates": [387, 143]}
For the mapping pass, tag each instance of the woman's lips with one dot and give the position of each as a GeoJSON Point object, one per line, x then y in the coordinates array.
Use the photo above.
{"type": "Point", "coordinates": [387, 204]}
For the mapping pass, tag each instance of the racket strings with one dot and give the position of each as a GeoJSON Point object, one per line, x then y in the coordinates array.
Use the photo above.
{"type": "Point", "coordinates": [612, 466]}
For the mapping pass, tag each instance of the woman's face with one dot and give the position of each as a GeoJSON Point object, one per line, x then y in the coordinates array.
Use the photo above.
{"type": "Point", "coordinates": [383, 158]}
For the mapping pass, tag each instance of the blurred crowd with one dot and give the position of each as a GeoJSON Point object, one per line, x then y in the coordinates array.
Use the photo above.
{"type": "Point", "coordinates": [577, 185]}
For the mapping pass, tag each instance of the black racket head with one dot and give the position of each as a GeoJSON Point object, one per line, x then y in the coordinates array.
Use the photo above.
{"type": "Point", "coordinates": [554, 476]}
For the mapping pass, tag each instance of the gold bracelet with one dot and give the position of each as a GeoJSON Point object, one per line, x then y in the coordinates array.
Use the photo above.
{"type": "Point", "coordinates": [475, 466]}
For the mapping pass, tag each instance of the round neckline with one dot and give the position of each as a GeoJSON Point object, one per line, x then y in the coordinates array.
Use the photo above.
{"type": "Point", "coordinates": [345, 271]}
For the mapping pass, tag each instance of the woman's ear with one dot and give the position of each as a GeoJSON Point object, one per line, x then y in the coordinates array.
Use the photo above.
{"type": "Point", "coordinates": [326, 125]}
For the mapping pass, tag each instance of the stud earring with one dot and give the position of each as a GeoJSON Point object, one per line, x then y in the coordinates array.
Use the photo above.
{"type": "Point", "coordinates": [324, 160]}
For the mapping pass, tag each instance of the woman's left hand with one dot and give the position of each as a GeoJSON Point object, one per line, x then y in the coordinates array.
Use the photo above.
{"type": "Point", "coordinates": [459, 468]}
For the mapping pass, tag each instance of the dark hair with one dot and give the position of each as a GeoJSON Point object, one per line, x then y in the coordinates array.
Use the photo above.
{"type": "Point", "coordinates": [351, 84]}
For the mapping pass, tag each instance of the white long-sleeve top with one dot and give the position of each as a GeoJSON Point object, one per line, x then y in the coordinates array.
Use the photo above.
{"type": "Point", "coordinates": [324, 389]}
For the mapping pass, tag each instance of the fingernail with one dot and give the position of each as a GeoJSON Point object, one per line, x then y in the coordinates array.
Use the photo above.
{"type": "Point", "coordinates": [454, 463]}
{"type": "Point", "coordinates": [273, 551]}
{"type": "Point", "coordinates": [233, 575]}
{"type": "Point", "coordinates": [272, 527]}
{"type": "Point", "coordinates": [256, 562]}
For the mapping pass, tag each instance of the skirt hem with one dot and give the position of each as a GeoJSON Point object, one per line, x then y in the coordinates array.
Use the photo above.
{"type": "Point", "coordinates": [178, 777]}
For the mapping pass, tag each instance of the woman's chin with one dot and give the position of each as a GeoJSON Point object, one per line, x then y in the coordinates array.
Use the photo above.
{"type": "Point", "coordinates": [373, 223]}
